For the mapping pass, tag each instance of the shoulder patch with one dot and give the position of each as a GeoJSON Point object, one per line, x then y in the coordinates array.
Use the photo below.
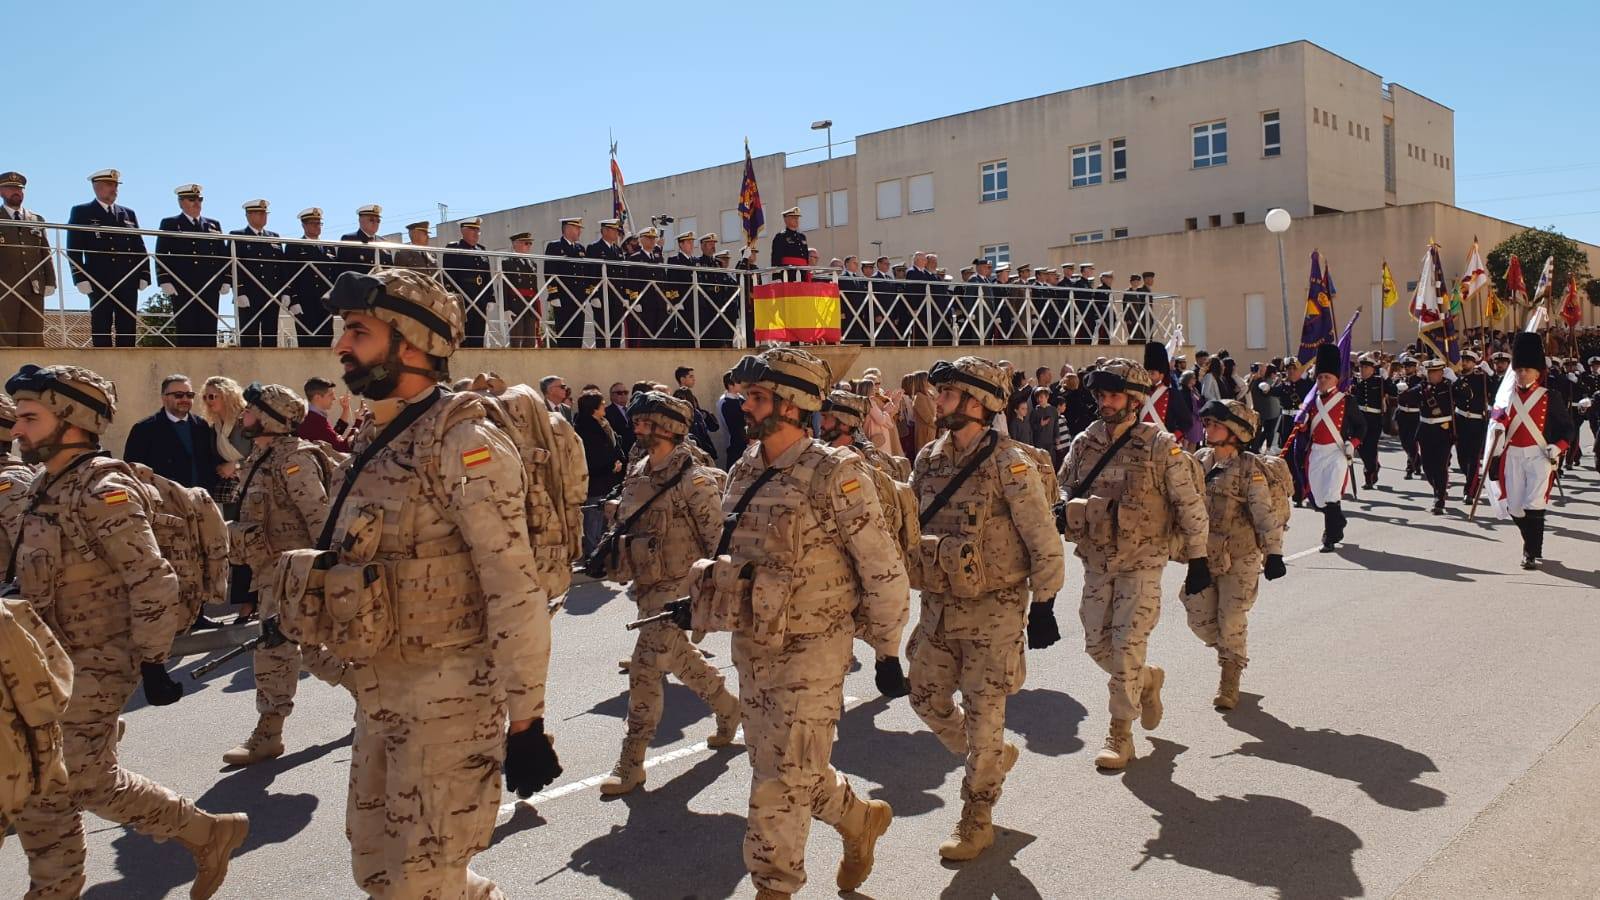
{"type": "Point", "coordinates": [291, 470]}
{"type": "Point", "coordinates": [1017, 468]}
{"type": "Point", "coordinates": [114, 498]}
{"type": "Point", "coordinates": [1175, 451]}
{"type": "Point", "coordinates": [1258, 477]}
{"type": "Point", "coordinates": [476, 457]}
{"type": "Point", "coordinates": [850, 486]}
{"type": "Point", "coordinates": [5, 486]}
{"type": "Point", "coordinates": [700, 479]}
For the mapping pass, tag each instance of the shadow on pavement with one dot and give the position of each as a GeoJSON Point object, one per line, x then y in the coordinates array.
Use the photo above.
{"type": "Point", "coordinates": [584, 599]}
{"type": "Point", "coordinates": [680, 709]}
{"type": "Point", "coordinates": [995, 872]}
{"type": "Point", "coordinates": [700, 853]}
{"type": "Point", "coordinates": [1589, 579]}
{"type": "Point", "coordinates": [909, 766]}
{"type": "Point", "coordinates": [1047, 720]}
{"type": "Point", "coordinates": [1381, 561]}
{"type": "Point", "coordinates": [233, 668]}
{"type": "Point", "coordinates": [523, 818]}
{"type": "Point", "coordinates": [1268, 841]}
{"type": "Point", "coordinates": [1386, 771]}
{"type": "Point", "coordinates": [150, 869]}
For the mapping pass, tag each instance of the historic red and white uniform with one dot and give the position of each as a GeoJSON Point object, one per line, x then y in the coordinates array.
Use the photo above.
{"type": "Point", "coordinates": [1526, 470]}
{"type": "Point", "coordinates": [1328, 462]}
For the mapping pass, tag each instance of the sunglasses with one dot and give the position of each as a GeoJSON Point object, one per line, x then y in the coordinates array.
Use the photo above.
{"type": "Point", "coordinates": [619, 393]}
{"type": "Point", "coordinates": [182, 395]}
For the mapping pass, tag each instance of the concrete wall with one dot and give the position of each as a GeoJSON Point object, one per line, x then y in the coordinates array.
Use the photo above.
{"type": "Point", "coordinates": [1430, 129]}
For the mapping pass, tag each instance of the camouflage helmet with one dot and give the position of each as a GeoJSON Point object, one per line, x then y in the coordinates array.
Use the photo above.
{"type": "Point", "coordinates": [426, 315]}
{"type": "Point", "coordinates": [850, 409]}
{"type": "Point", "coordinates": [281, 409]}
{"type": "Point", "coordinates": [661, 410]}
{"type": "Point", "coordinates": [8, 417]}
{"type": "Point", "coordinates": [80, 397]}
{"type": "Point", "coordinates": [976, 377]}
{"type": "Point", "coordinates": [1120, 374]}
{"type": "Point", "coordinates": [790, 373]}
{"type": "Point", "coordinates": [1235, 416]}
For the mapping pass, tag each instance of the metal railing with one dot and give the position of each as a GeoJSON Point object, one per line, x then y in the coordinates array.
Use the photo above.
{"type": "Point", "coordinates": [203, 289]}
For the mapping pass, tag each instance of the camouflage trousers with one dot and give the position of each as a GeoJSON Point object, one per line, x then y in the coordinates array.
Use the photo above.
{"type": "Point", "coordinates": [1119, 611]}
{"type": "Point", "coordinates": [278, 674]}
{"type": "Point", "coordinates": [1217, 614]}
{"type": "Point", "coordinates": [791, 697]}
{"type": "Point", "coordinates": [424, 777]}
{"type": "Point", "coordinates": [986, 671]}
{"type": "Point", "coordinates": [663, 649]}
{"type": "Point", "coordinates": [50, 829]}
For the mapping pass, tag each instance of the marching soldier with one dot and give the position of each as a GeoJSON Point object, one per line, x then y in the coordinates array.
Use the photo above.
{"type": "Point", "coordinates": [1370, 395]}
{"type": "Point", "coordinates": [87, 559]}
{"type": "Point", "coordinates": [452, 681]}
{"type": "Point", "coordinates": [789, 249]}
{"type": "Point", "coordinates": [262, 281]}
{"type": "Point", "coordinates": [1471, 400]}
{"type": "Point", "coordinates": [1243, 525]}
{"type": "Point", "coordinates": [283, 500]}
{"type": "Point", "coordinates": [468, 275]}
{"type": "Point", "coordinates": [417, 256]}
{"type": "Point", "coordinates": [312, 270]}
{"type": "Point", "coordinates": [1336, 430]}
{"type": "Point", "coordinates": [606, 297]}
{"type": "Point", "coordinates": [16, 479]}
{"type": "Point", "coordinates": [1434, 434]}
{"type": "Point", "coordinates": [1127, 482]}
{"type": "Point", "coordinates": [1539, 430]}
{"type": "Point", "coordinates": [109, 265]}
{"type": "Point", "coordinates": [192, 271]}
{"type": "Point", "coordinates": [804, 548]}
{"type": "Point", "coordinates": [567, 287]}
{"type": "Point", "coordinates": [983, 507]}
{"type": "Point", "coordinates": [27, 274]}
{"type": "Point", "coordinates": [1407, 414]}
{"type": "Point", "coordinates": [672, 507]}
{"type": "Point", "coordinates": [519, 295]}
{"type": "Point", "coordinates": [362, 260]}
{"type": "Point", "coordinates": [1158, 408]}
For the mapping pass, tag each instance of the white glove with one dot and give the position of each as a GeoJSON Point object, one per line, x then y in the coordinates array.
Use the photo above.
{"type": "Point", "coordinates": [49, 290]}
{"type": "Point", "coordinates": [240, 301]}
{"type": "Point", "coordinates": [1552, 453]}
{"type": "Point", "coordinates": [144, 283]}
{"type": "Point", "coordinates": [1349, 450]}
{"type": "Point", "coordinates": [166, 287]}
{"type": "Point", "coordinates": [82, 286]}
{"type": "Point", "coordinates": [1400, 387]}
{"type": "Point", "coordinates": [226, 288]}
{"type": "Point", "coordinates": [295, 308]}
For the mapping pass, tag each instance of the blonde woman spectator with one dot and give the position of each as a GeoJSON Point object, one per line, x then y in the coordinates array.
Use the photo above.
{"type": "Point", "coordinates": [221, 406]}
{"type": "Point", "coordinates": [882, 425]}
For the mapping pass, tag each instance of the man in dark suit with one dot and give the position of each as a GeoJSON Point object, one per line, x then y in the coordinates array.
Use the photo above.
{"type": "Point", "coordinates": [468, 275]}
{"type": "Point", "coordinates": [173, 443]}
{"type": "Point", "coordinates": [565, 293]}
{"type": "Point", "coordinates": [606, 299]}
{"type": "Point", "coordinates": [262, 279]}
{"type": "Point", "coordinates": [364, 259]}
{"type": "Point", "coordinates": [310, 270]}
{"type": "Point", "coordinates": [193, 271]}
{"type": "Point", "coordinates": [617, 416]}
{"type": "Point", "coordinates": [519, 293]}
{"type": "Point", "coordinates": [27, 273]}
{"type": "Point", "coordinates": [109, 265]}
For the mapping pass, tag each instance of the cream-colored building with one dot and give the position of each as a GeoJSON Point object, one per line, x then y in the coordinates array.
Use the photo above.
{"type": "Point", "coordinates": [1170, 171]}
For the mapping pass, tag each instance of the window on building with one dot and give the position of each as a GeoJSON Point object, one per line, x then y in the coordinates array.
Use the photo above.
{"type": "Point", "coordinates": [1271, 134]}
{"type": "Point", "coordinates": [1211, 144]}
{"type": "Point", "coordinates": [808, 212]}
{"type": "Point", "coordinates": [889, 199]}
{"type": "Point", "coordinates": [993, 181]}
{"type": "Point", "coordinates": [1119, 159]}
{"type": "Point", "coordinates": [1255, 321]}
{"type": "Point", "coordinates": [1215, 220]}
{"type": "Point", "coordinates": [1086, 165]}
{"type": "Point", "coordinates": [996, 253]}
{"type": "Point", "coordinates": [1191, 224]}
{"type": "Point", "coordinates": [1118, 234]}
{"type": "Point", "coordinates": [732, 227]}
{"type": "Point", "coordinates": [1089, 237]}
{"type": "Point", "coordinates": [1238, 218]}
{"type": "Point", "coordinates": [1196, 332]}
{"type": "Point", "coordinates": [1335, 120]}
{"type": "Point", "coordinates": [838, 208]}
{"type": "Point", "coordinates": [921, 190]}
{"type": "Point", "coordinates": [1388, 155]}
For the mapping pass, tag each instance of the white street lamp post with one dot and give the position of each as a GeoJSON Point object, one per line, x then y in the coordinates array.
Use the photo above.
{"type": "Point", "coordinates": [1277, 222]}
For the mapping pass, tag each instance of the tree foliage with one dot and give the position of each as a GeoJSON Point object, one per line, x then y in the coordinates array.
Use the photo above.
{"type": "Point", "coordinates": [1533, 247]}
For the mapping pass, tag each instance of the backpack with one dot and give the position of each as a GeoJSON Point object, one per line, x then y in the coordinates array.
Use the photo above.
{"type": "Point", "coordinates": [193, 538]}
{"type": "Point", "coordinates": [1281, 483]}
{"type": "Point", "coordinates": [1045, 464]}
{"type": "Point", "coordinates": [1197, 476]}
{"type": "Point", "coordinates": [35, 686]}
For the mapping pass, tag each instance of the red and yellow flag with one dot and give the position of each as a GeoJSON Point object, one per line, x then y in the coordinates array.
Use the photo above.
{"type": "Point", "coordinates": [1571, 312]}
{"type": "Point", "coordinates": [797, 312]}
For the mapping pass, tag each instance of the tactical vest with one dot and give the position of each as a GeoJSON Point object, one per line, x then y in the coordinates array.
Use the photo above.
{"type": "Point", "coordinates": [975, 526]}
{"type": "Point", "coordinates": [1129, 524]}
{"type": "Point", "coordinates": [664, 542]}
{"type": "Point", "coordinates": [269, 521]}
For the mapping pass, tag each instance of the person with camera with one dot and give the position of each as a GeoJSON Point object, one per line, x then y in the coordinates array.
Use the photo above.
{"type": "Point", "coordinates": [668, 515]}
{"type": "Point", "coordinates": [1268, 404]}
{"type": "Point", "coordinates": [87, 559]}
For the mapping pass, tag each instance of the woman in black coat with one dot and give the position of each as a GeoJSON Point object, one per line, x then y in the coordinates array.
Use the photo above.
{"type": "Point", "coordinates": [606, 463]}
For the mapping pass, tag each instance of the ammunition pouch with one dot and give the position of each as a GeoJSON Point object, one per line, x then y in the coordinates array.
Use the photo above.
{"type": "Point", "coordinates": [727, 595]}
{"type": "Point", "coordinates": [346, 607]}
{"type": "Point", "coordinates": [1091, 520]}
{"type": "Point", "coordinates": [949, 564]}
{"type": "Point", "coordinates": [640, 554]}
{"type": "Point", "coordinates": [247, 544]}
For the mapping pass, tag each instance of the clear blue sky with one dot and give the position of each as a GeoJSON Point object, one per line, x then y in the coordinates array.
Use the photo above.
{"type": "Point", "coordinates": [486, 105]}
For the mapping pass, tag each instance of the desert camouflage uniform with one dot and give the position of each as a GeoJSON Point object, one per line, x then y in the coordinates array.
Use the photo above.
{"type": "Point", "coordinates": [15, 480]}
{"type": "Point", "coordinates": [975, 645]}
{"type": "Point", "coordinates": [471, 646]}
{"type": "Point", "coordinates": [1239, 502]}
{"type": "Point", "coordinates": [817, 530]}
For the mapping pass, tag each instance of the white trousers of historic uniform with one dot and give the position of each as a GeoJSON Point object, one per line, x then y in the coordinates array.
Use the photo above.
{"type": "Point", "coordinates": [1526, 479]}
{"type": "Point", "coordinates": [1326, 470]}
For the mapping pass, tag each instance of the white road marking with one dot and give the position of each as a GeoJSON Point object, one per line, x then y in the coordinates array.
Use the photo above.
{"type": "Point", "coordinates": [573, 787]}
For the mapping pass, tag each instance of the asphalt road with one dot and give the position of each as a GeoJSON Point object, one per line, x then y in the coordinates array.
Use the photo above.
{"type": "Point", "coordinates": [1400, 691]}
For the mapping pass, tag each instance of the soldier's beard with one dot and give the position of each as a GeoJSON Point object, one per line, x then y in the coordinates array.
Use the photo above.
{"type": "Point", "coordinates": [1115, 417]}
{"type": "Point", "coordinates": [252, 431]}
{"type": "Point", "coordinates": [761, 428]}
{"type": "Point", "coordinates": [40, 453]}
{"type": "Point", "coordinates": [829, 435]}
{"type": "Point", "coordinates": [373, 382]}
{"type": "Point", "coordinates": [956, 421]}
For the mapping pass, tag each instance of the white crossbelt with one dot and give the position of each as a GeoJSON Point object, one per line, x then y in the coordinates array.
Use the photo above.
{"type": "Point", "coordinates": [1149, 414]}
{"type": "Point", "coordinates": [1324, 416]}
{"type": "Point", "coordinates": [1522, 416]}
{"type": "Point", "coordinates": [1468, 415]}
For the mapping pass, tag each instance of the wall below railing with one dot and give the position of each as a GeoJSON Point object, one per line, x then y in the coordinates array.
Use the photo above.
{"type": "Point", "coordinates": [137, 372]}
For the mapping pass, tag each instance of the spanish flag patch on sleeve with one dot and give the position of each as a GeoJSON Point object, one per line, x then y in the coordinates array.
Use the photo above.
{"type": "Point", "coordinates": [291, 470]}
{"type": "Point", "coordinates": [115, 498]}
{"type": "Point", "coordinates": [5, 486]}
{"type": "Point", "coordinates": [1175, 451]}
{"type": "Point", "coordinates": [1018, 468]}
{"type": "Point", "coordinates": [477, 457]}
{"type": "Point", "coordinates": [700, 479]}
{"type": "Point", "coordinates": [850, 486]}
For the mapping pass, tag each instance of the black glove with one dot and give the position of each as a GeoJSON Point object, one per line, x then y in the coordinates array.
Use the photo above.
{"type": "Point", "coordinates": [680, 613]}
{"type": "Point", "coordinates": [531, 762]}
{"type": "Point", "coordinates": [1060, 510]}
{"type": "Point", "coordinates": [271, 634]}
{"type": "Point", "coordinates": [1042, 628]}
{"type": "Point", "coordinates": [1199, 577]}
{"type": "Point", "coordinates": [159, 688]}
{"type": "Point", "coordinates": [891, 680]}
{"type": "Point", "coordinates": [1275, 566]}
